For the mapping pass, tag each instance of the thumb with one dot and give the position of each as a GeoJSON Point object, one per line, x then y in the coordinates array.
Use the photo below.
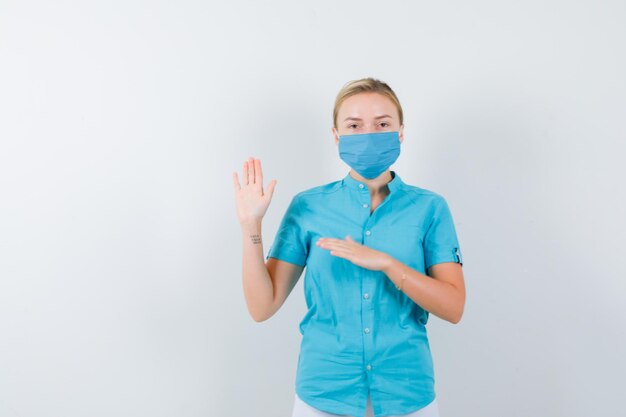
{"type": "Point", "coordinates": [270, 188]}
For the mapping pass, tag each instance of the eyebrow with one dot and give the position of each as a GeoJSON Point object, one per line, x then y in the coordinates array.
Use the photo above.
{"type": "Point", "coordinates": [356, 118]}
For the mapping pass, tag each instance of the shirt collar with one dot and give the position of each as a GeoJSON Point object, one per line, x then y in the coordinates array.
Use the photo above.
{"type": "Point", "coordinates": [393, 185]}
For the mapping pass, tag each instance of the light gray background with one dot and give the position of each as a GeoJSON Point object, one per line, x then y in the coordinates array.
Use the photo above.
{"type": "Point", "coordinates": [121, 123]}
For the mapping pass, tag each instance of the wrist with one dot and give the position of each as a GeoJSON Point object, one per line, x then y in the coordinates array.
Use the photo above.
{"type": "Point", "coordinates": [388, 264]}
{"type": "Point", "coordinates": [251, 225]}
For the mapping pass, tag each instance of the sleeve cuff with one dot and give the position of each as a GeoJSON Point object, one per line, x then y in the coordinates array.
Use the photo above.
{"type": "Point", "coordinates": [287, 255]}
{"type": "Point", "coordinates": [444, 255]}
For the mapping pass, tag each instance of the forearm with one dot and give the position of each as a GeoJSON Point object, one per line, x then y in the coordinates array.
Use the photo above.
{"type": "Point", "coordinates": [257, 283]}
{"type": "Point", "coordinates": [437, 297]}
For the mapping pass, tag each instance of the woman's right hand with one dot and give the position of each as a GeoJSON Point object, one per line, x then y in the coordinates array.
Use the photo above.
{"type": "Point", "coordinates": [252, 202]}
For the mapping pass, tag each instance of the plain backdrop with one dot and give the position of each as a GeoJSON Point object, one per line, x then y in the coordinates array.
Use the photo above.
{"type": "Point", "coordinates": [121, 123]}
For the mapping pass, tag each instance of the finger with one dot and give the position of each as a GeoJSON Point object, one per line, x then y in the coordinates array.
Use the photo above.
{"type": "Point", "coordinates": [340, 242]}
{"type": "Point", "coordinates": [340, 254]}
{"type": "Point", "coordinates": [338, 245]}
{"type": "Point", "coordinates": [344, 249]}
{"type": "Point", "coordinates": [258, 174]}
{"type": "Point", "coordinates": [270, 188]}
{"type": "Point", "coordinates": [250, 170]}
{"type": "Point", "coordinates": [245, 176]}
{"type": "Point", "coordinates": [236, 181]}
{"type": "Point", "coordinates": [329, 240]}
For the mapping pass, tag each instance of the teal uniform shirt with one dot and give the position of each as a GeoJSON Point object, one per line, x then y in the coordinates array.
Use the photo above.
{"type": "Point", "coordinates": [361, 334]}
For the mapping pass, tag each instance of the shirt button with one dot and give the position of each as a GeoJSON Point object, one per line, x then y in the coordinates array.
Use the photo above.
{"type": "Point", "coordinates": [367, 330]}
{"type": "Point", "coordinates": [365, 205]}
{"type": "Point", "coordinates": [367, 232]}
{"type": "Point", "coordinates": [361, 185]}
{"type": "Point", "coordinates": [369, 367]}
{"type": "Point", "coordinates": [366, 296]}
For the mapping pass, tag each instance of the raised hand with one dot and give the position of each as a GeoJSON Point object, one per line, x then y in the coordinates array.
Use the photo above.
{"type": "Point", "coordinates": [252, 201]}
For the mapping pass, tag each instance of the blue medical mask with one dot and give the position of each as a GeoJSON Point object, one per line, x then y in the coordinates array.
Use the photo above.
{"type": "Point", "coordinates": [370, 154]}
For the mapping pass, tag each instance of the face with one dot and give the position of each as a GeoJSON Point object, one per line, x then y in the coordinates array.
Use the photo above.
{"type": "Point", "coordinates": [367, 113]}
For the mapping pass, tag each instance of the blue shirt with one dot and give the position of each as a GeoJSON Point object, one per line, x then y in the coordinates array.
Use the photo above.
{"type": "Point", "coordinates": [360, 332]}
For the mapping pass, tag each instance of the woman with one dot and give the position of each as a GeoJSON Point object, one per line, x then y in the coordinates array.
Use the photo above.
{"type": "Point", "coordinates": [380, 255]}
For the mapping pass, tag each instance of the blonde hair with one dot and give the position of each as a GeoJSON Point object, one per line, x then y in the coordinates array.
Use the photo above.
{"type": "Point", "coordinates": [365, 85]}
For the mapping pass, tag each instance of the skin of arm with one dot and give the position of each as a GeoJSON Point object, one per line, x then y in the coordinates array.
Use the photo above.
{"type": "Point", "coordinates": [443, 296]}
{"type": "Point", "coordinates": [257, 284]}
{"type": "Point", "coordinates": [266, 286]}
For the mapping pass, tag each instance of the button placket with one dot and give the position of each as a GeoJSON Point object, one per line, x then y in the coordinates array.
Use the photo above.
{"type": "Point", "coordinates": [362, 187]}
{"type": "Point", "coordinates": [368, 309]}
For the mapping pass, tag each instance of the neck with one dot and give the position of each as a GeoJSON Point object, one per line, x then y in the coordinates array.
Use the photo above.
{"type": "Point", "coordinates": [376, 185]}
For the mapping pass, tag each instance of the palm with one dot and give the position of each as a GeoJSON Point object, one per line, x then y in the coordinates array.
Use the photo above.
{"type": "Point", "coordinates": [252, 200]}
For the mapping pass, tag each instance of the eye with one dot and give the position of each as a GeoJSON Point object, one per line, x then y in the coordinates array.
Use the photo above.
{"type": "Point", "coordinates": [353, 124]}
{"type": "Point", "coordinates": [385, 124]}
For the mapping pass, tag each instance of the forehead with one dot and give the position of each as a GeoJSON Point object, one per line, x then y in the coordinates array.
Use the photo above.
{"type": "Point", "coordinates": [367, 104]}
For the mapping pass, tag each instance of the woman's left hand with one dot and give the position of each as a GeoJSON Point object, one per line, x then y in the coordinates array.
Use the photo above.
{"type": "Point", "coordinates": [356, 253]}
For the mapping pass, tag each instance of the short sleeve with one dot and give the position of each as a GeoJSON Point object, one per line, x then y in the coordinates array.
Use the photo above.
{"type": "Point", "coordinates": [290, 243]}
{"type": "Point", "coordinates": [440, 241]}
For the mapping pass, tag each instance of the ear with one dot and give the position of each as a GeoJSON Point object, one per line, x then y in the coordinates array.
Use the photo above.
{"type": "Point", "coordinates": [401, 133]}
{"type": "Point", "coordinates": [335, 135]}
